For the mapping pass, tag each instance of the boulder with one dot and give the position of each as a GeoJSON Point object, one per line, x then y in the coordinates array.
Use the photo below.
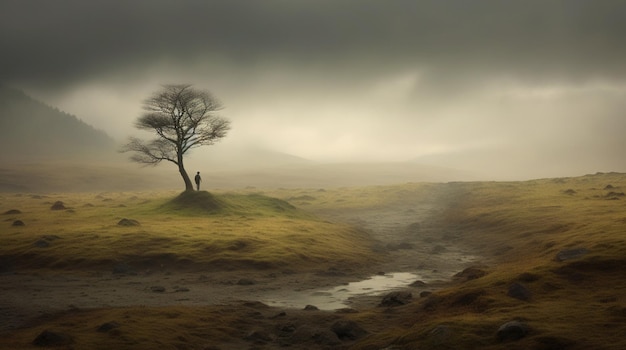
{"type": "Point", "coordinates": [470, 273]}
{"type": "Point", "coordinates": [396, 299]}
{"type": "Point", "coordinates": [519, 291]}
{"type": "Point", "coordinates": [347, 329]}
{"type": "Point", "coordinates": [18, 223]}
{"type": "Point", "coordinates": [511, 331]}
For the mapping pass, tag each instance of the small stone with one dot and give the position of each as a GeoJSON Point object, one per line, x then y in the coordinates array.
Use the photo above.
{"type": "Point", "coordinates": [519, 291]}
{"type": "Point", "coordinates": [18, 223]}
{"type": "Point", "coordinates": [58, 205]}
{"type": "Point", "coordinates": [48, 338]}
{"type": "Point", "coordinates": [105, 327]}
{"type": "Point", "coordinates": [42, 243]}
{"type": "Point", "coordinates": [12, 212]}
{"type": "Point", "coordinates": [128, 222]}
{"type": "Point", "coordinates": [157, 289]}
{"type": "Point", "coordinates": [311, 308]}
{"type": "Point", "coordinates": [245, 282]}
{"type": "Point", "coordinates": [425, 294]}
{"type": "Point", "coordinates": [569, 254]}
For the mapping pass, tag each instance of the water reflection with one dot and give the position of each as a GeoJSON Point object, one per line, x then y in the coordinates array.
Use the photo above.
{"type": "Point", "coordinates": [336, 298]}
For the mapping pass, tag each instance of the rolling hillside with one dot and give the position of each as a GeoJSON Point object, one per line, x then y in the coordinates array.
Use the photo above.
{"type": "Point", "coordinates": [32, 130]}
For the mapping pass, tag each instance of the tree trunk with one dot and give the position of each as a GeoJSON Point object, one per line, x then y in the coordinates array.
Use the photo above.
{"type": "Point", "coordinates": [183, 173]}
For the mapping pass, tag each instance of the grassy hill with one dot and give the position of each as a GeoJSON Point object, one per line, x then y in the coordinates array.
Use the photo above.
{"type": "Point", "coordinates": [562, 240]}
{"type": "Point", "coordinates": [196, 230]}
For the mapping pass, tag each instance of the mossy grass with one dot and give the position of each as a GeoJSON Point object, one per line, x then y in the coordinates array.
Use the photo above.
{"type": "Point", "coordinates": [195, 230]}
{"type": "Point", "coordinates": [520, 228]}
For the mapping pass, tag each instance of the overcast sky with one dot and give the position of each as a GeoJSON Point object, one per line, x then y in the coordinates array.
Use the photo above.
{"type": "Point", "coordinates": [508, 89]}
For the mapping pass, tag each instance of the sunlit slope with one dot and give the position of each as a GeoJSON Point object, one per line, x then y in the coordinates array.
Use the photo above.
{"type": "Point", "coordinates": [164, 231]}
{"type": "Point", "coordinates": [562, 240]}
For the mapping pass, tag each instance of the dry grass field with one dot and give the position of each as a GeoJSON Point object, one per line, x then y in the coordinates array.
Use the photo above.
{"type": "Point", "coordinates": [554, 254]}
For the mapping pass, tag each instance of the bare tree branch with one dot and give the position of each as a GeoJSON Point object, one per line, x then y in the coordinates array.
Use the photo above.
{"type": "Point", "coordinates": [182, 118]}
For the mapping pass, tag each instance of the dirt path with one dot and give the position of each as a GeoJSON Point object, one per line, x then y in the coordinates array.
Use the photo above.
{"type": "Point", "coordinates": [405, 230]}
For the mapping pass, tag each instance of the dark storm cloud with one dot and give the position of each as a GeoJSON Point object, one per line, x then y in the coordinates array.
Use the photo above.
{"type": "Point", "coordinates": [65, 41]}
{"type": "Point", "coordinates": [508, 88]}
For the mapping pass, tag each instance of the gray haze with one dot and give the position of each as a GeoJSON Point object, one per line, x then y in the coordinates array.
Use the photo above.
{"type": "Point", "coordinates": [501, 89]}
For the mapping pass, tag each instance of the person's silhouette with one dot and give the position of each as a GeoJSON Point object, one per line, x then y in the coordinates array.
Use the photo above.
{"type": "Point", "coordinates": [198, 180]}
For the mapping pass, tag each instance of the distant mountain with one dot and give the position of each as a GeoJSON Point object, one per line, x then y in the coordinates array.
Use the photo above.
{"type": "Point", "coordinates": [30, 129]}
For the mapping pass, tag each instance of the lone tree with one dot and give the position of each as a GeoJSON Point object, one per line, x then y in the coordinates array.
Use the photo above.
{"type": "Point", "coordinates": [182, 118]}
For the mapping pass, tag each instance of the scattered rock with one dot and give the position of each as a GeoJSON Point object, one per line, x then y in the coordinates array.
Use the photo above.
{"type": "Point", "coordinates": [551, 343]}
{"type": "Point", "coordinates": [105, 327]}
{"type": "Point", "coordinates": [519, 291]}
{"type": "Point", "coordinates": [123, 269]}
{"type": "Point", "coordinates": [128, 222]}
{"type": "Point", "coordinates": [438, 249]}
{"type": "Point", "coordinates": [311, 308]}
{"type": "Point", "coordinates": [42, 243]}
{"type": "Point", "coordinates": [181, 290]}
{"type": "Point", "coordinates": [569, 254]}
{"type": "Point", "coordinates": [18, 223]}
{"type": "Point", "coordinates": [157, 289]}
{"type": "Point", "coordinates": [425, 294]}
{"type": "Point", "coordinates": [396, 299]}
{"type": "Point", "coordinates": [468, 298]}
{"type": "Point", "coordinates": [58, 205]}
{"type": "Point", "coordinates": [418, 284]}
{"type": "Point", "coordinates": [400, 246]}
{"type": "Point", "coordinates": [245, 282]}
{"type": "Point", "coordinates": [347, 329]}
{"type": "Point", "coordinates": [259, 336]}
{"type": "Point", "coordinates": [305, 334]}
{"type": "Point", "coordinates": [470, 273]}
{"type": "Point", "coordinates": [614, 195]}
{"type": "Point", "coordinates": [527, 277]}
{"type": "Point", "coordinates": [48, 338]}
{"type": "Point", "coordinates": [513, 330]}
{"type": "Point", "coordinates": [569, 191]}
{"type": "Point", "coordinates": [12, 212]}
{"type": "Point", "coordinates": [440, 335]}
{"type": "Point", "coordinates": [609, 187]}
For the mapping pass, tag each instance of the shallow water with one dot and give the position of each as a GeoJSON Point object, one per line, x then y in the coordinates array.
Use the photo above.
{"type": "Point", "coordinates": [338, 297]}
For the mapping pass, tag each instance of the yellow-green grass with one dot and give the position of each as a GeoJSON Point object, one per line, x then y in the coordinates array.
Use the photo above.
{"type": "Point", "coordinates": [579, 303]}
{"type": "Point", "coordinates": [519, 227]}
{"type": "Point", "coordinates": [196, 231]}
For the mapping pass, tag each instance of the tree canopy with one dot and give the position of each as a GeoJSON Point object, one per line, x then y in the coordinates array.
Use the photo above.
{"type": "Point", "coordinates": [182, 118]}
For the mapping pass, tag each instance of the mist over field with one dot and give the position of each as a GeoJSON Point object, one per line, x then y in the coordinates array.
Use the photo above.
{"type": "Point", "coordinates": [461, 91]}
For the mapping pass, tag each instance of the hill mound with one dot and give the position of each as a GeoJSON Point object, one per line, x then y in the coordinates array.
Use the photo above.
{"type": "Point", "coordinates": [195, 201]}
{"type": "Point", "coordinates": [203, 203]}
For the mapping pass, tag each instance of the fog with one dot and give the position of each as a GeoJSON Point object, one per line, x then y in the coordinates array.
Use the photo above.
{"type": "Point", "coordinates": [499, 90]}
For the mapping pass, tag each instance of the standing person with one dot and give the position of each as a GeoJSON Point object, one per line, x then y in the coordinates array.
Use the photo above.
{"type": "Point", "coordinates": [198, 180]}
